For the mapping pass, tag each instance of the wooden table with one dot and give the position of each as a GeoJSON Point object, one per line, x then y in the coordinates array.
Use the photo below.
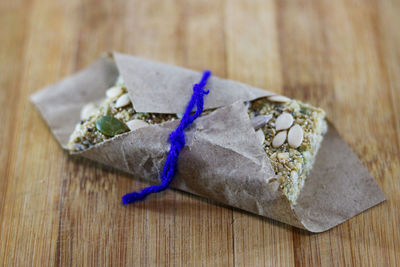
{"type": "Point", "coordinates": [54, 210]}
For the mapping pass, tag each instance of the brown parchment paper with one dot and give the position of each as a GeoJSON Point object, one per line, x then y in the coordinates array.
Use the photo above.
{"type": "Point", "coordinates": [222, 159]}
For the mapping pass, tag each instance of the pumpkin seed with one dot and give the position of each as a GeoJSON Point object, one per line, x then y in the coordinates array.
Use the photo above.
{"type": "Point", "coordinates": [120, 81]}
{"type": "Point", "coordinates": [122, 101]}
{"type": "Point", "coordinates": [87, 110]}
{"type": "Point", "coordinates": [284, 121]}
{"type": "Point", "coordinates": [279, 99]}
{"type": "Point", "coordinates": [295, 136]}
{"type": "Point", "coordinates": [136, 124]}
{"type": "Point", "coordinates": [279, 139]}
{"type": "Point", "coordinates": [114, 91]}
{"type": "Point", "coordinates": [110, 126]}
{"type": "Point", "coordinates": [260, 136]}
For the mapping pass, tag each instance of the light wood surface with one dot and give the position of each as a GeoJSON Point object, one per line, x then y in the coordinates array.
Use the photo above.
{"type": "Point", "coordinates": [59, 211]}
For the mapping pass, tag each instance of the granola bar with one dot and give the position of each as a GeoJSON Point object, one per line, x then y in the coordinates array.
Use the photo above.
{"type": "Point", "coordinates": [291, 162]}
{"type": "Point", "coordinates": [291, 137]}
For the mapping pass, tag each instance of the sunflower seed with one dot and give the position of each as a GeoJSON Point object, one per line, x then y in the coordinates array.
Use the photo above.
{"type": "Point", "coordinates": [260, 121]}
{"type": "Point", "coordinates": [295, 136]}
{"type": "Point", "coordinates": [114, 91]}
{"type": "Point", "coordinates": [284, 121]}
{"type": "Point", "coordinates": [136, 124]}
{"type": "Point", "coordinates": [279, 139]}
{"type": "Point", "coordinates": [279, 99]}
{"type": "Point", "coordinates": [260, 136]}
{"type": "Point", "coordinates": [122, 101]}
{"type": "Point", "coordinates": [87, 110]}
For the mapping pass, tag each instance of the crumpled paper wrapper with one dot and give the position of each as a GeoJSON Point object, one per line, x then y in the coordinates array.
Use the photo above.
{"type": "Point", "coordinates": [222, 159]}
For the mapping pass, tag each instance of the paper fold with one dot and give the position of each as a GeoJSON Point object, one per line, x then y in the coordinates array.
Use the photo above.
{"type": "Point", "coordinates": [221, 160]}
{"type": "Point", "coordinates": [155, 87]}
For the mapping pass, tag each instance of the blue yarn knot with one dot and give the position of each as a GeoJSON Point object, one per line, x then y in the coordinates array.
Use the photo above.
{"type": "Point", "coordinates": [177, 140]}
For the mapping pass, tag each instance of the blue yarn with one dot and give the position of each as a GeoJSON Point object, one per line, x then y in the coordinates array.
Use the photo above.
{"type": "Point", "coordinates": [177, 140]}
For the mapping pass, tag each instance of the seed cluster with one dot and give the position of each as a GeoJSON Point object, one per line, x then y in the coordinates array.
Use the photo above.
{"type": "Point", "coordinates": [291, 162]}
{"type": "Point", "coordinates": [117, 104]}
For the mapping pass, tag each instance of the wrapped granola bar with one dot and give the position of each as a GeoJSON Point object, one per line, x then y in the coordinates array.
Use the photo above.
{"type": "Point", "coordinates": [275, 117]}
{"type": "Point", "coordinates": [250, 149]}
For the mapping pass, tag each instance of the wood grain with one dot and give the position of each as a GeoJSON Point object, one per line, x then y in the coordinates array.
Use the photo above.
{"type": "Point", "coordinates": [56, 210]}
